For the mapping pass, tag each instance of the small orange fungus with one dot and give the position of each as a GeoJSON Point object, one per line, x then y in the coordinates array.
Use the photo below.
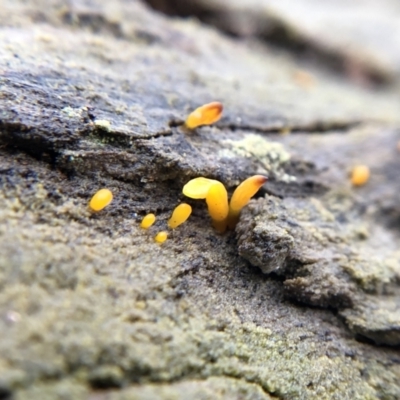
{"type": "Point", "coordinates": [148, 221]}
{"type": "Point", "coordinates": [180, 214]}
{"type": "Point", "coordinates": [242, 195]}
{"type": "Point", "coordinates": [304, 79]}
{"type": "Point", "coordinates": [161, 237]}
{"type": "Point", "coordinates": [101, 199]}
{"type": "Point", "coordinates": [198, 188]}
{"type": "Point", "coordinates": [217, 202]}
{"type": "Point", "coordinates": [360, 175]}
{"type": "Point", "coordinates": [204, 115]}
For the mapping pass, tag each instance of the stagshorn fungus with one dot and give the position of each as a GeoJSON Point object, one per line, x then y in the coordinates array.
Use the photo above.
{"type": "Point", "coordinates": [101, 199]}
{"type": "Point", "coordinates": [242, 195]}
{"type": "Point", "coordinates": [180, 214]}
{"type": "Point", "coordinates": [218, 208]}
{"type": "Point", "coordinates": [204, 115]}
{"type": "Point", "coordinates": [147, 221]}
{"type": "Point", "coordinates": [216, 196]}
{"type": "Point", "coordinates": [161, 237]}
{"type": "Point", "coordinates": [360, 175]}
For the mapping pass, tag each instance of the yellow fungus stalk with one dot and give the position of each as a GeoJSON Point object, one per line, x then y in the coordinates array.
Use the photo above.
{"type": "Point", "coordinates": [198, 188]}
{"type": "Point", "coordinates": [204, 115]}
{"type": "Point", "coordinates": [161, 237]}
{"type": "Point", "coordinates": [180, 214]}
{"type": "Point", "coordinates": [101, 199]}
{"type": "Point", "coordinates": [148, 221]}
{"type": "Point", "coordinates": [218, 208]}
{"type": "Point", "coordinates": [242, 195]}
{"type": "Point", "coordinates": [360, 175]}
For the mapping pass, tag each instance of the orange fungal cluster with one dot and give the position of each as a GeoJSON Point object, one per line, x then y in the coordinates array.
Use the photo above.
{"type": "Point", "coordinates": [181, 213]}
{"type": "Point", "coordinates": [204, 115]}
{"type": "Point", "coordinates": [223, 214]}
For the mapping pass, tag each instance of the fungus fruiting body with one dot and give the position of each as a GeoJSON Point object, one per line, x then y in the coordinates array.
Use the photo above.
{"type": "Point", "coordinates": [161, 237]}
{"type": "Point", "coordinates": [198, 188]}
{"type": "Point", "coordinates": [204, 115]}
{"type": "Point", "coordinates": [222, 213]}
{"type": "Point", "coordinates": [148, 221]}
{"type": "Point", "coordinates": [242, 195]}
{"type": "Point", "coordinates": [180, 214]}
{"type": "Point", "coordinates": [217, 203]}
{"type": "Point", "coordinates": [101, 199]}
{"type": "Point", "coordinates": [360, 175]}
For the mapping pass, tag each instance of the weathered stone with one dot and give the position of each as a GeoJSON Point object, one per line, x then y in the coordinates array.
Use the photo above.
{"type": "Point", "coordinates": [93, 95]}
{"type": "Point", "coordinates": [376, 318]}
{"type": "Point", "coordinates": [295, 239]}
{"type": "Point", "coordinates": [332, 260]}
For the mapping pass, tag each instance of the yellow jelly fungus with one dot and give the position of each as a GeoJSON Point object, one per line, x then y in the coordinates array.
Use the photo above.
{"type": "Point", "coordinates": [180, 214]}
{"type": "Point", "coordinates": [360, 175]}
{"type": "Point", "coordinates": [161, 237]}
{"type": "Point", "coordinates": [148, 221]}
{"type": "Point", "coordinates": [101, 199]}
{"type": "Point", "coordinates": [242, 195]}
{"type": "Point", "coordinates": [217, 202]}
{"type": "Point", "coordinates": [198, 188]}
{"type": "Point", "coordinates": [204, 115]}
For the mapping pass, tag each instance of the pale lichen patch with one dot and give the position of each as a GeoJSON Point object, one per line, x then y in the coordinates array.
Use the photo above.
{"type": "Point", "coordinates": [270, 155]}
{"type": "Point", "coordinates": [103, 124]}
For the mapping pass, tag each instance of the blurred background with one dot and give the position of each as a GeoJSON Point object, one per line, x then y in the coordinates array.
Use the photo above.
{"type": "Point", "coordinates": [360, 39]}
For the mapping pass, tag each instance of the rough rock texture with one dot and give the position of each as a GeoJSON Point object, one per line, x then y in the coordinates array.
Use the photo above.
{"type": "Point", "coordinates": [93, 94]}
{"type": "Point", "coordinates": [335, 250]}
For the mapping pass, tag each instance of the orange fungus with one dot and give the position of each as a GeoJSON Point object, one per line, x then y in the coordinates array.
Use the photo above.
{"type": "Point", "coordinates": [101, 199]}
{"type": "Point", "coordinates": [360, 175]}
{"type": "Point", "coordinates": [242, 195]}
{"type": "Point", "coordinates": [180, 214]}
{"type": "Point", "coordinates": [198, 188]}
{"type": "Point", "coordinates": [204, 115]}
{"type": "Point", "coordinates": [217, 202]}
{"type": "Point", "coordinates": [161, 237]}
{"type": "Point", "coordinates": [148, 221]}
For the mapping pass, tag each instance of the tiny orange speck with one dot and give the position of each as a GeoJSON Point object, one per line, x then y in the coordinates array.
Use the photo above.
{"type": "Point", "coordinates": [148, 221]}
{"type": "Point", "coordinates": [360, 175]}
{"type": "Point", "coordinates": [180, 214]}
{"type": "Point", "coordinates": [204, 115]}
{"type": "Point", "coordinates": [161, 237]}
{"type": "Point", "coordinates": [304, 79]}
{"type": "Point", "coordinates": [101, 199]}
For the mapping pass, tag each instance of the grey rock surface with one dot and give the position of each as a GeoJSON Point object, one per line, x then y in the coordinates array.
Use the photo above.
{"type": "Point", "coordinates": [335, 250]}
{"type": "Point", "coordinates": [93, 94]}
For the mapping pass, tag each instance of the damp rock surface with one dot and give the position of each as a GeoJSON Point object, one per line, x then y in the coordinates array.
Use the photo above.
{"type": "Point", "coordinates": [293, 305]}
